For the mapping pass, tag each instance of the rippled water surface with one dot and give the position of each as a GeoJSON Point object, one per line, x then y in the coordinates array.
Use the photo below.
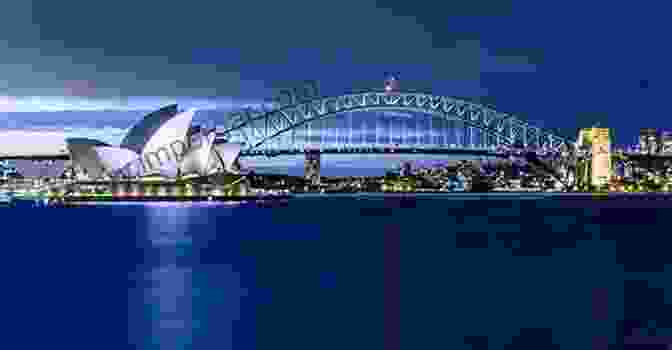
{"type": "Point", "coordinates": [338, 272]}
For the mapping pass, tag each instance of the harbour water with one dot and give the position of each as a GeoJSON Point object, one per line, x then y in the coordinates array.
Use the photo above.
{"type": "Point", "coordinates": [337, 272]}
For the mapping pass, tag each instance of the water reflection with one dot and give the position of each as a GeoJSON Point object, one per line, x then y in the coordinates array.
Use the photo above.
{"type": "Point", "coordinates": [169, 300]}
{"type": "Point", "coordinates": [183, 302]}
{"type": "Point", "coordinates": [168, 223]}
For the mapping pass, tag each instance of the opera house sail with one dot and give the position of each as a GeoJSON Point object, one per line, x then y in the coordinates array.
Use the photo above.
{"type": "Point", "coordinates": [141, 132]}
{"type": "Point", "coordinates": [160, 144]}
{"type": "Point", "coordinates": [84, 156]}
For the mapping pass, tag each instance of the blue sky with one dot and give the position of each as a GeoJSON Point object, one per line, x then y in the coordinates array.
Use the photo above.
{"type": "Point", "coordinates": [562, 64]}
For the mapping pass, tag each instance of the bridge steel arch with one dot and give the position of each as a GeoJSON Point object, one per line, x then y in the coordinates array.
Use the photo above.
{"type": "Point", "coordinates": [257, 129]}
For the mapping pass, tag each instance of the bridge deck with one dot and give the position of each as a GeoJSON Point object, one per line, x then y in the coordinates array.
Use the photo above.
{"type": "Point", "coordinates": [369, 150]}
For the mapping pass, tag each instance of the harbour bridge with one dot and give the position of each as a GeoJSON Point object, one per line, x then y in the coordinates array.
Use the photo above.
{"type": "Point", "coordinates": [376, 121]}
{"type": "Point", "coordinates": [370, 121]}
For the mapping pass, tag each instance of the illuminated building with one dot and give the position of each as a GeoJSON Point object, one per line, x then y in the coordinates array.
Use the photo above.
{"type": "Point", "coordinates": [406, 169]}
{"type": "Point", "coordinates": [6, 168]}
{"type": "Point", "coordinates": [84, 157]}
{"type": "Point", "coordinates": [585, 137]}
{"type": "Point", "coordinates": [649, 140]}
{"type": "Point", "coordinates": [601, 150]}
{"type": "Point", "coordinates": [162, 143]}
{"type": "Point", "coordinates": [39, 168]}
{"type": "Point", "coordinates": [666, 141]}
{"type": "Point", "coordinates": [628, 172]}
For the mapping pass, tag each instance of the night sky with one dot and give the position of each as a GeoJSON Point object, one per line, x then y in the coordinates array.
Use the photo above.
{"type": "Point", "coordinates": [566, 64]}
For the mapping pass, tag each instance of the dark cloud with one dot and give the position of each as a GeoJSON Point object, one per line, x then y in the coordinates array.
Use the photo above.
{"type": "Point", "coordinates": [528, 55]}
{"type": "Point", "coordinates": [449, 22]}
{"type": "Point", "coordinates": [248, 48]}
{"type": "Point", "coordinates": [205, 48]}
{"type": "Point", "coordinates": [546, 60]}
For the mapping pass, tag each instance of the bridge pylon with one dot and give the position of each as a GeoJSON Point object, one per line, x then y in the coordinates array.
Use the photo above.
{"type": "Point", "coordinates": [312, 164]}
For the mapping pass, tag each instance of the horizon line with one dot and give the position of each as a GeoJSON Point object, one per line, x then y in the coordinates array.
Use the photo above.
{"type": "Point", "coordinates": [32, 104]}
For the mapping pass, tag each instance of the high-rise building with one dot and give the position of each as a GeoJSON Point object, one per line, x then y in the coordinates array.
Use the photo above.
{"type": "Point", "coordinates": [601, 163]}
{"type": "Point", "coordinates": [649, 140]}
{"type": "Point", "coordinates": [585, 137]}
{"type": "Point", "coordinates": [666, 141]}
{"type": "Point", "coordinates": [628, 171]}
{"type": "Point", "coordinates": [406, 169]}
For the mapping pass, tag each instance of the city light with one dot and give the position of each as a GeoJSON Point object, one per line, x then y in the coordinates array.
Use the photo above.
{"type": "Point", "coordinates": [593, 163]}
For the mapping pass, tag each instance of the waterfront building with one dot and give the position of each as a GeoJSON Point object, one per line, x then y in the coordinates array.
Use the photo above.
{"type": "Point", "coordinates": [619, 169]}
{"type": "Point", "coordinates": [29, 168]}
{"type": "Point", "coordinates": [7, 168]}
{"type": "Point", "coordinates": [666, 141]}
{"type": "Point", "coordinates": [585, 138]}
{"type": "Point", "coordinates": [601, 151]}
{"type": "Point", "coordinates": [84, 158]}
{"type": "Point", "coordinates": [406, 169]}
{"type": "Point", "coordinates": [163, 143]}
{"type": "Point", "coordinates": [649, 140]}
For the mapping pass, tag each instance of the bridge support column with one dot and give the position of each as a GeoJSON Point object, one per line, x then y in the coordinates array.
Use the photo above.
{"type": "Point", "coordinates": [312, 166]}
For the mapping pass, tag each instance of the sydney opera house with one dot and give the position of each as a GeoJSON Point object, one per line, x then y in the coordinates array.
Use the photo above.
{"type": "Point", "coordinates": [164, 143]}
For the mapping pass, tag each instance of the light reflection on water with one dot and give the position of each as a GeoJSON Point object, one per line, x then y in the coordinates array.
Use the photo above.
{"type": "Point", "coordinates": [178, 293]}
{"type": "Point", "coordinates": [170, 303]}
{"type": "Point", "coordinates": [169, 224]}
{"type": "Point", "coordinates": [166, 204]}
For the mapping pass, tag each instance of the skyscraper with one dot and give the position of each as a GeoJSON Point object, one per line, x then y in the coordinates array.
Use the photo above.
{"type": "Point", "coordinates": [601, 150]}
{"type": "Point", "coordinates": [585, 137]}
{"type": "Point", "coordinates": [666, 141]}
{"type": "Point", "coordinates": [649, 140]}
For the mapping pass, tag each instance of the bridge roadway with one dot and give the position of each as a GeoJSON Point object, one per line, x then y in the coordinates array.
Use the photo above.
{"type": "Point", "coordinates": [350, 149]}
{"type": "Point", "coordinates": [370, 149]}
{"type": "Point", "coordinates": [269, 152]}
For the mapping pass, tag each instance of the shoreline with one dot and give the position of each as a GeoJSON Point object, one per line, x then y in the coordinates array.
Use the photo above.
{"type": "Point", "coordinates": [486, 195]}
{"type": "Point", "coordinates": [66, 201]}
